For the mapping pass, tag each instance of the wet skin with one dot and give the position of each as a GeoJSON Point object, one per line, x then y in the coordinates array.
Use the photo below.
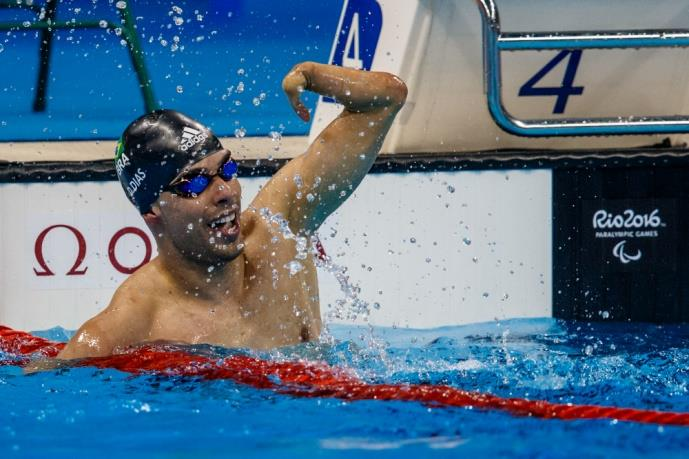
{"type": "Point", "coordinates": [227, 285]}
{"type": "Point", "coordinates": [226, 282]}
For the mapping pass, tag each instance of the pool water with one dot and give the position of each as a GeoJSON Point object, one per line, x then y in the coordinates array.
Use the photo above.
{"type": "Point", "coordinates": [86, 411]}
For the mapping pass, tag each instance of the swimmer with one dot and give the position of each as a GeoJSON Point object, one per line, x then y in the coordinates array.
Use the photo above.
{"type": "Point", "coordinates": [222, 273]}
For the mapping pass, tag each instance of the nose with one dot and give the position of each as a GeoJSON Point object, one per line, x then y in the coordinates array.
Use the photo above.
{"type": "Point", "coordinates": [224, 192]}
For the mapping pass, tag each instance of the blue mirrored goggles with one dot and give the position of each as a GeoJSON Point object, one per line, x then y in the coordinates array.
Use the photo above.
{"type": "Point", "coordinates": [192, 185]}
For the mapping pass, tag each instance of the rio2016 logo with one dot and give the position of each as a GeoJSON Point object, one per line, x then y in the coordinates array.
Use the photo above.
{"type": "Point", "coordinates": [628, 219]}
{"type": "Point", "coordinates": [626, 224]}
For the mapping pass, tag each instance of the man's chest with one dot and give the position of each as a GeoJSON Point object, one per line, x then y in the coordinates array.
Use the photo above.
{"type": "Point", "coordinates": [279, 270]}
{"type": "Point", "coordinates": [276, 303]}
{"type": "Point", "coordinates": [280, 295]}
{"type": "Point", "coordinates": [280, 289]}
{"type": "Point", "coordinates": [275, 307]}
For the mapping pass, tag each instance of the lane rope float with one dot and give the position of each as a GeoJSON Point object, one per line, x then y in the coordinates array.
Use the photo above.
{"type": "Point", "coordinates": [306, 379]}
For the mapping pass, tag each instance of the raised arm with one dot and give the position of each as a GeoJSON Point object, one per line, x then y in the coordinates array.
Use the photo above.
{"type": "Point", "coordinates": [313, 185]}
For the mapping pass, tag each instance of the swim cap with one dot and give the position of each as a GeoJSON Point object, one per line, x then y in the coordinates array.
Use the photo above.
{"type": "Point", "coordinates": [154, 149]}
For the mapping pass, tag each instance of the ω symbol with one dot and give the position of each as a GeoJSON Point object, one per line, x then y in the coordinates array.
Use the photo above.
{"type": "Point", "coordinates": [44, 269]}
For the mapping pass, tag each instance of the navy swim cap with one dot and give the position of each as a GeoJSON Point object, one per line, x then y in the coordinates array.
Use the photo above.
{"type": "Point", "coordinates": [154, 149]}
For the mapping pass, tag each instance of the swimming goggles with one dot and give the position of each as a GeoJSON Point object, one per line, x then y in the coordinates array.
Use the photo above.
{"type": "Point", "coordinates": [190, 186]}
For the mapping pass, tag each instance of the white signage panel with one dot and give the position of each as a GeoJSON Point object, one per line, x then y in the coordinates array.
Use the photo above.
{"type": "Point", "coordinates": [446, 248]}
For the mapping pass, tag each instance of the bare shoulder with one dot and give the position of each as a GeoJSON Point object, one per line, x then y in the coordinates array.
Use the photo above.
{"type": "Point", "coordinates": [124, 322]}
{"type": "Point", "coordinates": [258, 218]}
{"type": "Point", "coordinates": [262, 222]}
{"type": "Point", "coordinates": [277, 194]}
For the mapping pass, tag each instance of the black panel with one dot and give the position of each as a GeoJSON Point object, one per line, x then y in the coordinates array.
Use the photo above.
{"type": "Point", "coordinates": [103, 170]}
{"type": "Point", "coordinates": [620, 243]}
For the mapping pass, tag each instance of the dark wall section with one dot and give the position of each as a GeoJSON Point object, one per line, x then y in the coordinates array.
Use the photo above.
{"type": "Point", "coordinates": [620, 249]}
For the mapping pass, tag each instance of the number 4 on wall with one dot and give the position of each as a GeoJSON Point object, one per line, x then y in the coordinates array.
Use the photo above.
{"type": "Point", "coordinates": [562, 92]}
{"type": "Point", "coordinates": [357, 35]}
{"type": "Point", "coordinates": [351, 55]}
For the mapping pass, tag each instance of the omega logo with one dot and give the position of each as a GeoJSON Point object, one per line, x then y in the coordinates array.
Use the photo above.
{"type": "Point", "coordinates": [77, 269]}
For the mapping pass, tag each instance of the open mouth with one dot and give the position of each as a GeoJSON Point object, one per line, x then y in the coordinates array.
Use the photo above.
{"type": "Point", "coordinates": [226, 225]}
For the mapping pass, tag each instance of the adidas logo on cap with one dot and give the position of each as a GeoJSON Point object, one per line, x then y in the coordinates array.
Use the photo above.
{"type": "Point", "coordinates": [191, 137]}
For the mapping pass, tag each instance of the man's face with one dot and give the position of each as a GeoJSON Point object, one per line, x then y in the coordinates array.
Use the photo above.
{"type": "Point", "coordinates": [205, 227]}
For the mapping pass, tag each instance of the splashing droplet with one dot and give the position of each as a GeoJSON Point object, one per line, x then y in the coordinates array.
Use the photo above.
{"type": "Point", "coordinates": [275, 137]}
{"type": "Point", "coordinates": [294, 267]}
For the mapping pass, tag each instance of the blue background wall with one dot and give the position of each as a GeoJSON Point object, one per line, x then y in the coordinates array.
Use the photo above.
{"type": "Point", "coordinates": [222, 44]}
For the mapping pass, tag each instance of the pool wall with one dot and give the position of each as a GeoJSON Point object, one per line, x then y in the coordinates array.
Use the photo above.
{"type": "Point", "coordinates": [431, 249]}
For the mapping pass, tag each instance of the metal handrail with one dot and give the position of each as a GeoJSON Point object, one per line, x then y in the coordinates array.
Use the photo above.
{"type": "Point", "coordinates": [48, 24]}
{"type": "Point", "coordinates": [495, 41]}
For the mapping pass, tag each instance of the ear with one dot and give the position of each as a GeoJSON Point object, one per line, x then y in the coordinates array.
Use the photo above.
{"type": "Point", "coordinates": [152, 217]}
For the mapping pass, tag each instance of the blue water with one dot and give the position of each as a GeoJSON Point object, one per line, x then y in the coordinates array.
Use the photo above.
{"type": "Point", "coordinates": [86, 411]}
{"type": "Point", "coordinates": [225, 68]}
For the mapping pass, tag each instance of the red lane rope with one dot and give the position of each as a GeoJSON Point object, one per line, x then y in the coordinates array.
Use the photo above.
{"type": "Point", "coordinates": [303, 379]}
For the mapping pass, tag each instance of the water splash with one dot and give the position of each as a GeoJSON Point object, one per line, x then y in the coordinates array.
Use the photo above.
{"type": "Point", "coordinates": [351, 307]}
